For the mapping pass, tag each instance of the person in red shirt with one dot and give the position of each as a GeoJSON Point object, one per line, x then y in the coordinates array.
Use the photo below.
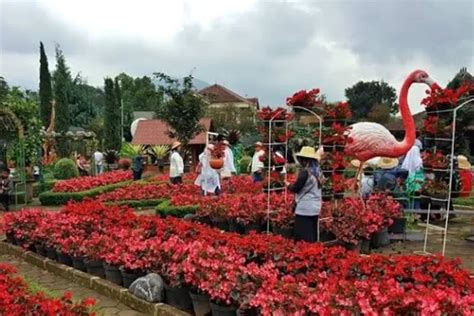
{"type": "Point", "coordinates": [465, 174]}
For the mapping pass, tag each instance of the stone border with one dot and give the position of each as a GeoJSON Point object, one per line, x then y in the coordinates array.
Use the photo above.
{"type": "Point", "coordinates": [95, 283]}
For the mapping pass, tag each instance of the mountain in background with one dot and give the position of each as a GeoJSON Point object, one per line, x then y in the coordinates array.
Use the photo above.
{"type": "Point", "coordinates": [197, 83]}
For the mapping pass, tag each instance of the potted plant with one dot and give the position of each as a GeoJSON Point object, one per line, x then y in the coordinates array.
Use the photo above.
{"type": "Point", "coordinates": [217, 156]}
{"type": "Point", "coordinates": [111, 158]}
{"type": "Point", "coordinates": [159, 152]}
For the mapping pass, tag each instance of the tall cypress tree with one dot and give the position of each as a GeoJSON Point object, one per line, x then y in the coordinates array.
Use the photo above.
{"type": "Point", "coordinates": [62, 83]}
{"type": "Point", "coordinates": [118, 104]}
{"type": "Point", "coordinates": [45, 90]}
{"type": "Point", "coordinates": [111, 117]}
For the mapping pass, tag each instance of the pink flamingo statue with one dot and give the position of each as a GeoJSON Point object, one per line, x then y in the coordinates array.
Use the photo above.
{"type": "Point", "coordinates": [366, 140]}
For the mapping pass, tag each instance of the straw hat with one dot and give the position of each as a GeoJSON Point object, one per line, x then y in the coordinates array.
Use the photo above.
{"type": "Point", "coordinates": [309, 152]}
{"type": "Point", "coordinates": [463, 163]}
{"type": "Point", "coordinates": [175, 145]}
{"type": "Point", "coordinates": [258, 144]}
{"type": "Point", "coordinates": [356, 163]}
{"type": "Point", "coordinates": [388, 163]}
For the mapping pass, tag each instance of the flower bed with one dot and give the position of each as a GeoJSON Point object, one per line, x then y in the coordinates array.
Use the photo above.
{"type": "Point", "coordinates": [268, 273]}
{"type": "Point", "coordinates": [90, 182]}
{"type": "Point", "coordinates": [15, 298]}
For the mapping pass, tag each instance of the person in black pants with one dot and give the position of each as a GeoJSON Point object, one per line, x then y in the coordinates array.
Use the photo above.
{"type": "Point", "coordinates": [137, 167]}
{"type": "Point", "coordinates": [5, 186]}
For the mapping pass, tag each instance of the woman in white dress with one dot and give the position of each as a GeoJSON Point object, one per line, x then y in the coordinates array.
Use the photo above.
{"type": "Point", "coordinates": [208, 178]}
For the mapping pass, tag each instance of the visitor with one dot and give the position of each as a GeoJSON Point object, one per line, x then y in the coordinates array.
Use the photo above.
{"type": "Point", "coordinates": [176, 164]}
{"type": "Point", "coordinates": [5, 188]}
{"type": "Point", "coordinates": [208, 178]}
{"type": "Point", "coordinates": [307, 189]}
{"type": "Point", "coordinates": [386, 177]}
{"type": "Point", "coordinates": [36, 173]}
{"type": "Point", "coordinates": [257, 164]}
{"type": "Point", "coordinates": [99, 162]}
{"type": "Point", "coordinates": [137, 166]}
{"type": "Point", "coordinates": [465, 175]}
{"type": "Point", "coordinates": [413, 164]}
{"type": "Point", "coordinates": [80, 164]}
{"type": "Point", "coordinates": [229, 166]}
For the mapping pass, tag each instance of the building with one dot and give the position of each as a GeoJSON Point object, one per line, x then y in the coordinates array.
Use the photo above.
{"type": "Point", "coordinates": [219, 96]}
{"type": "Point", "coordinates": [156, 132]}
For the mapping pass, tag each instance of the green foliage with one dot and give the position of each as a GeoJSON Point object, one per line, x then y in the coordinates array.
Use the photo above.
{"type": "Point", "coordinates": [26, 109]}
{"type": "Point", "coordinates": [65, 168]}
{"type": "Point", "coordinates": [244, 164]}
{"type": "Point", "coordinates": [232, 117]}
{"type": "Point", "coordinates": [159, 151]}
{"type": "Point", "coordinates": [364, 95]}
{"type": "Point", "coordinates": [3, 89]}
{"type": "Point", "coordinates": [380, 113]}
{"type": "Point", "coordinates": [166, 209]}
{"type": "Point", "coordinates": [183, 109]}
{"type": "Point", "coordinates": [129, 150]}
{"type": "Point", "coordinates": [112, 122]}
{"type": "Point", "coordinates": [60, 198]}
{"type": "Point", "coordinates": [138, 94]}
{"type": "Point", "coordinates": [45, 89]}
{"type": "Point", "coordinates": [62, 85]}
{"type": "Point", "coordinates": [86, 103]}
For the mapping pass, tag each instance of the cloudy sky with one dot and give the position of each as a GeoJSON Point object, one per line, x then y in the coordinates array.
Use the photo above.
{"type": "Point", "coordinates": [267, 49]}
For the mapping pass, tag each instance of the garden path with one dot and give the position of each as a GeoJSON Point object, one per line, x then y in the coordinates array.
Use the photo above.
{"type": "Point", "coordinates": [57, 285]}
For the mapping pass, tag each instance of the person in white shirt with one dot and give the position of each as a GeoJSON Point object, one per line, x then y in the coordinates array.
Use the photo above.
{"type": "Point", "coordinates": [208, 178]}
{"type": "Point", "coordinates": [176, 164]}
{"type": "Point", "coordinates": [257, 165]}
{"type": "Point", "coordinates": [229, 166]}
{"type": "Point", "coordinates": [99, 162]}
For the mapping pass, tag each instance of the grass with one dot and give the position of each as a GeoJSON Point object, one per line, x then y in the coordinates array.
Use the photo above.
{"type": "Point", "coordinates": [35, 287]}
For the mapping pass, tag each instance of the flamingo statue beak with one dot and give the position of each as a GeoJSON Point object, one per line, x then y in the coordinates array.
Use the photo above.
{"type": "Point", "coordinates": [429, 81]}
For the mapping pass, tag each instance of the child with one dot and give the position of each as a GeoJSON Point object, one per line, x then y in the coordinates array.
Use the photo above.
{"type": "Point", "coordinates": [5, 184]}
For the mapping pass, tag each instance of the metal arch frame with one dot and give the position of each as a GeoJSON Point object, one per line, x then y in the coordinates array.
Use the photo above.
{"type": "Point", "coordinates": [453, 136]}
{"type": "Point", "coordinates": [319, 119]}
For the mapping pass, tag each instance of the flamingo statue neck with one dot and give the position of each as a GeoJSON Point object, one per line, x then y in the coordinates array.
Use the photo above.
{"type": "Point", "coordinates": [401, 148]}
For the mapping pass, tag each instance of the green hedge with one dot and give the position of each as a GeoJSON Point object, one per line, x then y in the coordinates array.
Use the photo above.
{"type": "Point", "coordinates": [48, 185]}
{"type": "Point", "coordinates": [137, 203]}
{"type": "Point", "coordinates": [59, 198]}
{"type": "Point", "coordinates": [166, 209]}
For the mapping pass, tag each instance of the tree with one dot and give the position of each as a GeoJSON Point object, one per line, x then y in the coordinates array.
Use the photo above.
{"type": "Point", "coordinates": [183, 109]}
{"type": "Point", "coordinates": [3, 89]}
{"type": "Point", "coordinates": [118, 103]}
{"type": "Point", "coordinates": [364, 95]}
{"type": "Point", "coordinates": [86, 102]}
{"type": "Point", "coordinates": [45, 89]}
{"type": "Point", "coordinates": [380, 113]}
{"type": "Point", "coordinates": [62, 85]}
{"type": "Point", "coordinates": [112, 139]}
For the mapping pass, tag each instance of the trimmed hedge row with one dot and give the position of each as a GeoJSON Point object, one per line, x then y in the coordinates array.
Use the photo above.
{"type": "Point", "coordinates": [166, 209]}
{"type": "Point", "coordinates": [137, 203]}
{"type": "Point", "coordinates": [58, 198]}
{"type": "Point", "coordinates": [48, 185]}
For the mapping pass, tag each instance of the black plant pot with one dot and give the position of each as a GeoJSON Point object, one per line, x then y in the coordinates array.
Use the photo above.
{"type": "Point", "coordinates": [64, 258]}
{"type": "Point", "coordinates": [205, 220]}
{"type": "Point", "coordinates": [248, 312]}
{"type": "Point", "coordinates": [95, 267]}
{"type": "Point", "coordinates": [221, 224]}
{"type": "Point", "coordinates": [398, 226]}
{"type": "Point", "coordinates": [325, 235]}
{"type": "Point", "coordinates": [236, 227]}
{"type": "Point", "coordinates": [51, 253]}
{"type": "Point", "coordinates": [249, 227]}
{"type": "Point", "coordinates": [41, 250]}
{"type": "Point", "coordinates": [201, 304]}
{"type": "Point", "coordinates": [113, 274]}
{"type": "Point", "coordinates": [364, 246]}
{"type": "Point", "coordinates": [327, 173]}
{"type": "Point", "coordinates": [220, 310]}
{"type": "Point", "coordinates": [78, 263]}
{"type": "Point", "coordinates": [11, 238]}
{"type": "Point", "coordinates": [128, 277]}
{"type": "Point", "coordinates": [178, 297]}
{"type": "Point", "coordinates": [287, 232]}
{"type": "Point", "coordinates": [327, 197]}
{"type": "Point", "coordinates": [380, 239]}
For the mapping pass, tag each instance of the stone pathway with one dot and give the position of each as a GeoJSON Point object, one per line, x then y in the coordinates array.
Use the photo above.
{"type": "Point", "coordinates": [104, 305]}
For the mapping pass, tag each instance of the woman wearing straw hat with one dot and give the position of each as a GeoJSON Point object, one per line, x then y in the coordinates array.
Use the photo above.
{"type": "Point", "coordinates": [176, 164]}
{"type": "Point", "coordinates": [307, 189]}
{"type": "Point", "coordinates": [465, 174]}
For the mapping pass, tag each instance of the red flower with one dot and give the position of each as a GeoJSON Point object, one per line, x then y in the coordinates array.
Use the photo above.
{"type": "Point", "coordinates": [89, 182]}
{"type": "Point", "coordinates": [306, 99]}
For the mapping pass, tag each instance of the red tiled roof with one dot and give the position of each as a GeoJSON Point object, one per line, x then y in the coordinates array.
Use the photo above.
{"type": "Point", "coordinates": [155, 132]}
{"type": "Point", "coordinates": [219, 94]}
